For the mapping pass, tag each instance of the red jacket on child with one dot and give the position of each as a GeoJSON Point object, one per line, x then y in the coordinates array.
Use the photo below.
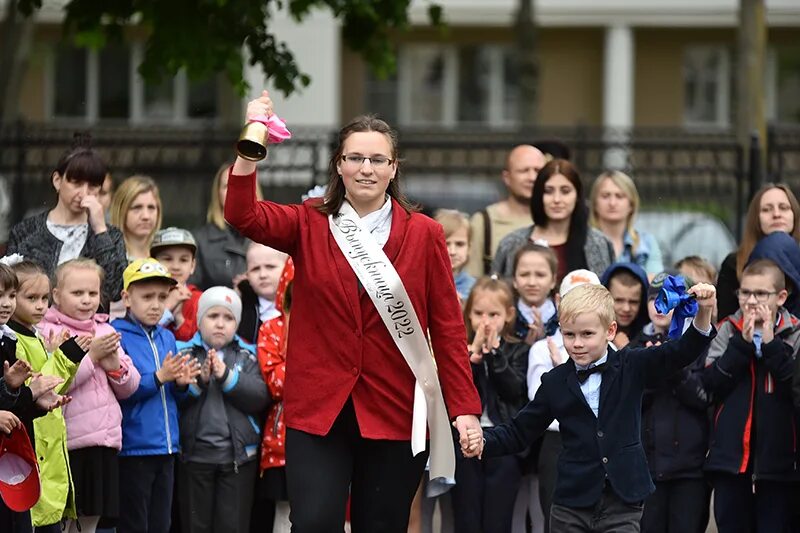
{"type": "Point", "coordinates": [271, 353]}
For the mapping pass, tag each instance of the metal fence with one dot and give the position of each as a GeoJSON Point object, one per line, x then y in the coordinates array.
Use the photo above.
{"type": "Point", "coordinates": [673, 169]}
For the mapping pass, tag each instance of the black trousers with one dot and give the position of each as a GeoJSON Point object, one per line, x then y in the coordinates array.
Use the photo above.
{"type": "Point", "coordinates": [216, 498]}
{"type": "Point", "coordinates": [485, 492]}
{"type": "Point", "coordinates": [145, 493]}
{"type": "Point", "coordinates": [737, 509]}
{"type": "Point", "coordinates": [382, 477]}
{"type": "Point", "coordinates": [677, 506]}
{"type": "Point", "coordinates": [548, 472]}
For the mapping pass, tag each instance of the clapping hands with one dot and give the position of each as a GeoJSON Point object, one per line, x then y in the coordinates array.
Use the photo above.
{"type": "Point", "coordinates": [15, 375]}
{"type": "Point", "coordinates": [486, 340]}
{"type": "Point", "coordinates": [182, 369]}
{"type": "Point", "coordinates": [212, 366]}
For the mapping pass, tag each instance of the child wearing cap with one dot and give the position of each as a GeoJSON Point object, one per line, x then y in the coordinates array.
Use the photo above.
{"type": "Point", "coordinates": [150, 440]}
{"type": "Point", "coordinates": [675, 427]}
{"type": "Point", "coordinates": [544, 355]}
{"type": "Point", "coordinates": [220, 429]}
{"type": "Point", "coordinates": [175, 248]}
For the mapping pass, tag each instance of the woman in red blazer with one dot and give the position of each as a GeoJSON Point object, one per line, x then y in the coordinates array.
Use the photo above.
{"type": "Point", "coordinates": [349, 393]}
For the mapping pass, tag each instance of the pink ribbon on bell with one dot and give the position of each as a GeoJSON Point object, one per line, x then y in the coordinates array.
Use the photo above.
{"type": "Point", "coordinates": [278, 132]}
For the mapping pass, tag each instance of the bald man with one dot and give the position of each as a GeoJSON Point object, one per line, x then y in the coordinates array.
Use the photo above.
{"type": "Point", "coordinates": [522, 165]}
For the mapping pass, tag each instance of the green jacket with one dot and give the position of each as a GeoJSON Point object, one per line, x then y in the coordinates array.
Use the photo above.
{"type": "Point", "coordinates": [57, 498]}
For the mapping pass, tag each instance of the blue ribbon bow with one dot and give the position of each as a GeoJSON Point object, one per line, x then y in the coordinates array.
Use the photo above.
{"type": "Point", "coordinates": [673, 297]}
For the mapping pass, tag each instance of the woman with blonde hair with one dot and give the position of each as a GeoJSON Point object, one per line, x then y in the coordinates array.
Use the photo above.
{"type": "Point", "coordinates": [614, 204]}
{"type": "Point", "coordinates": [221, 250]}
{"type": "Point", "coordinates": [136, 210]}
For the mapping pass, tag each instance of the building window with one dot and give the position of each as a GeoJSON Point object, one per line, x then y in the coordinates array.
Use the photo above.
{"type": "Point", "coordinates": [783, 85]}
{"type": "Point", "coordinates": [452, 86]}
{"type": "Point", "coordinates": [95, 85]}
{"type": "Point", "coordinates": [706, 86]}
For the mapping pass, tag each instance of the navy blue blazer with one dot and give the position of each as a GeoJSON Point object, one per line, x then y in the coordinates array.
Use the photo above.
{"type": "Point", "coordinates": [603, 448]}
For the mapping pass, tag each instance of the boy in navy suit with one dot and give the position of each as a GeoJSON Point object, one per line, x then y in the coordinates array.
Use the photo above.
{"type": "Point", "coordinates": [596, 397]}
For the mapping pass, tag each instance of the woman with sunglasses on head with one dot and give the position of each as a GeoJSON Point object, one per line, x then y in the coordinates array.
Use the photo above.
{"type": "Point", "coordinates": [372, 281]}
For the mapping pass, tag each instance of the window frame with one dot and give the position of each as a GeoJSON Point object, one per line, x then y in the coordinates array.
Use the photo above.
{"type": "Point", "coordinates": [722, 119]}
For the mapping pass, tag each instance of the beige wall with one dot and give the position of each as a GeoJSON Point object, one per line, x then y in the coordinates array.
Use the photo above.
{"type": "Point", "coordinates": [571, 70]}
{"type": "Point", "coordinates": [34, 92]}
{"type": "Point", "coordinates": [571, 76]}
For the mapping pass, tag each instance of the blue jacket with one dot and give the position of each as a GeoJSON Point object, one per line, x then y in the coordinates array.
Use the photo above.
{"type": "Point", "coordinates": [642, 318]}
{"type": "Point", "coordinates": [606, 448]}
{"type": "Point", "coordinates": [785, 252]}
{"type": "Point", "coordinates": [150, 415]}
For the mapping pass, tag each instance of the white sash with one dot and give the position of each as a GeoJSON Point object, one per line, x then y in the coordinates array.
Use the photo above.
{"type": "Point", "coordinates": [385, 288]}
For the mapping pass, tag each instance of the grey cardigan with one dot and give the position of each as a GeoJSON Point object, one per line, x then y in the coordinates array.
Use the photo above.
{"type": "Point", "coordinates": [31, 239]}
{"type": "Point", "coordinates": [598, 250]}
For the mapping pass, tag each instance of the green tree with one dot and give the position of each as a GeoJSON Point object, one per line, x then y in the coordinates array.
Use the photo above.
{"type": "Point", "coordinates": [209, 36]}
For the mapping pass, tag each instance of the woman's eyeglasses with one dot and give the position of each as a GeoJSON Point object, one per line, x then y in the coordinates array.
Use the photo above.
{"type": "Point", "coordinates": [377, 161]}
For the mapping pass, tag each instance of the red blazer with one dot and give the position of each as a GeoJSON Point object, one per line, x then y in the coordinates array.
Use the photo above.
{"type": "Point", "coordinates": [338, 345]}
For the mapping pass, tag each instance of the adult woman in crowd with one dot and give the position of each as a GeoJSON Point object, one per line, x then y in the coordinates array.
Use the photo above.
{"type": "Point", "coordinates": [221, 250]}
{"type": "Point", "coordinates": [136, 210]}
{"type": "Point", "coordinates": [76, 226]}
{"type": "Point", "coordinates": [614, 204]}
{"type": "Point", "coordinates": [560, 219]}
{"type": "Point", "coordinates": [349, 391]}
{"type": "Point", "coordinates": [773, 208]}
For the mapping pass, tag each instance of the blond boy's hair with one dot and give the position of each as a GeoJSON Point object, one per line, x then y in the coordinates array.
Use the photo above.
{"type": "Point", "coordinates": [587, 299]}
{"type": "Point", "coordinates": [452, 221]}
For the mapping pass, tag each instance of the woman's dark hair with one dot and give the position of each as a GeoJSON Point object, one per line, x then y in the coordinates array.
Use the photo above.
{"type": "Point", "coordinates": [82, 163]}
{"type": "Point", "coordinates": [8, 279]}
{"type": "Point", "coordinates": [334, 196]}
{"type": "Point", "coordinates": [579, 221]}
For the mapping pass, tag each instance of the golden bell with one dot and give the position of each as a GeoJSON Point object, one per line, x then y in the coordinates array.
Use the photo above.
{"type": "Point", "coordinates": [252, 143]}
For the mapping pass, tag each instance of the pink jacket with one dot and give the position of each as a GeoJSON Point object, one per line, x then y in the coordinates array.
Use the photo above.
{"type": "Point", "coordinates": [93, 417]}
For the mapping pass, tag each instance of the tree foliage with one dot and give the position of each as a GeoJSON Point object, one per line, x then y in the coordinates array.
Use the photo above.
{"type": "Point", "coordinates": [209, 36]}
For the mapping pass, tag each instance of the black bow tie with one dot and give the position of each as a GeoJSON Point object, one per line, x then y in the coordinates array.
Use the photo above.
{"type": "Point", "coordinates": [583, 375]}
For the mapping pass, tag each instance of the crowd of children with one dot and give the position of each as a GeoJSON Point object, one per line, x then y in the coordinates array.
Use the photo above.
{"type": "Point", "coordinates": [181, 398]}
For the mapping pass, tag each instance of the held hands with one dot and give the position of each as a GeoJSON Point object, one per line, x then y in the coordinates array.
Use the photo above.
{"type": "Point", "coordinates": [16, 374]}
{"type": "Point", "coordinates": [470, 435]}
{"type": "Point", "coordinates": [706, 296]}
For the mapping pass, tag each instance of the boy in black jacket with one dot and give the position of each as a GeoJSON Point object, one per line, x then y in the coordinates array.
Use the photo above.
{"type": "Point", "coordinates": [674, 434]}
{"type": "Point", "coordinates": [603, 477]}
{"type": "Point", "coordinates": [753, 456]}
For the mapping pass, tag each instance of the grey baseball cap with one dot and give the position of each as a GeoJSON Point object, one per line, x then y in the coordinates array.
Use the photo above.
{"type": "Point", "coordinates": [173, 236]}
